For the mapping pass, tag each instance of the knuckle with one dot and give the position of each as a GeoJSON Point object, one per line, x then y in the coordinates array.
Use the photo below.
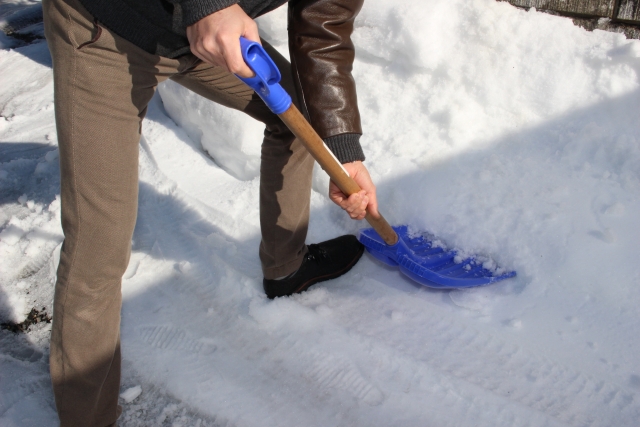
{"type": "Point", "coordinates": [250, 24]}
{"type": "Point", "coordinates": [235, 66]}
{"type": "Point", "coordinates": [221, 38]}
{"type": "Point", "coordinates": [197, 45]}
{"type": "Point", "coordinates": [207, 44]}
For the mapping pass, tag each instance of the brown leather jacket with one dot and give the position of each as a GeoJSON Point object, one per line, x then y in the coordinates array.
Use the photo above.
{"type": "Point", "coordinates": [322, 56]}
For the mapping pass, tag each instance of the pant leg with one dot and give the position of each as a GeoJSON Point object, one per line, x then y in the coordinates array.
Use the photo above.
{"type": "Point", "coordinates": [102, 86]}
{"type": "Point", "coordinates": [286, 166]}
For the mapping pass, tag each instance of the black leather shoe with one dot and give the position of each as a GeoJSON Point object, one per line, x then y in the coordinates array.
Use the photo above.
{"type": "Point", "coordinates": [324, 261]}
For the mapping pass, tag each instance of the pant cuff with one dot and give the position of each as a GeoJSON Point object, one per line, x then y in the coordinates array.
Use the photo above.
{"type": "Point", "coordinates": [285, 269]}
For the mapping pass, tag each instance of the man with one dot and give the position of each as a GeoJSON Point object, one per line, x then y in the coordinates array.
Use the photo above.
{"type": "Point", "coordinates": [108, 58]}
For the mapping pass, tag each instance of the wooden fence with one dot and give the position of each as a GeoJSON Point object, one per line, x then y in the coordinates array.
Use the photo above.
{"type": "Point", "coordinates": [627, 11]}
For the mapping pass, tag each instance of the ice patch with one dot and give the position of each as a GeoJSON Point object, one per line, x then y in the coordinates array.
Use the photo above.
{"type": "Point", "coordinates": [131, 394]}
{"type": "Point", "coordinates": [231, 138]}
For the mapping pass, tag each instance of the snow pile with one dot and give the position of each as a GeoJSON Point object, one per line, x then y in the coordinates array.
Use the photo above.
{"type": "Point", "coordinates": [506, 133]}
{"type": "Point", "coordinates": [232, 147]}
{"type": "Point", "coordinates": [497, 119]}
{"type": "Point", "coordinates": [131, 394]}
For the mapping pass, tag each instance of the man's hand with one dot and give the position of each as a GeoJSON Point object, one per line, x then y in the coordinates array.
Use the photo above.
{"type": "Point", "coordinates": [357, 204]}
{"type": "Point", "coordinates": [216, 38]}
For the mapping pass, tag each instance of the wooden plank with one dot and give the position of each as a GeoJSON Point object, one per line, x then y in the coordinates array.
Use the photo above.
{"type": "Point", "coordinates": [629, 10]}
{"type": "Point", "coordinates": [602, 8]}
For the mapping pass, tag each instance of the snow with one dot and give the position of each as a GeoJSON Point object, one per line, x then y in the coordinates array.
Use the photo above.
{"type": "Point", "coordinates": [131, 394]}
{"type": "Point", "coordinates": [507, 133]}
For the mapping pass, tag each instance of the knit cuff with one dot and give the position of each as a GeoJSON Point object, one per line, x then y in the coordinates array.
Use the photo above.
{"type": "Point", "coordinates": [195, 10]}
{"type": "Point", "coordinates": [346, 147]}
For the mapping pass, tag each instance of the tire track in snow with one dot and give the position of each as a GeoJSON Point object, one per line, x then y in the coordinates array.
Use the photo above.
{"type": "Point", "coordinates": [585, 401]}
{"type": "Point", "coordinates": [24, 371]}
{"type": "Point", "coordinates": [242, 340]}
{"type": "Point", "coordinates": [40, 385]}
{"type": "Point", "coordinates": [329, 373]}
{"type": "Point", "coordinates": [464, 352]}
{"type": "Point", "coordinates": [334, 368]}
{"type": "Point", "coordinates": [328, 368]}
{"type": "Point", "coordinates": [167, 337]}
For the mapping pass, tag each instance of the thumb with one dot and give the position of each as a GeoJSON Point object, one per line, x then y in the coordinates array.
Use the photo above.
{"type": "Point", "coordinates": [372, 207]}
{"type": "Point", "coordinates": [235, 61]}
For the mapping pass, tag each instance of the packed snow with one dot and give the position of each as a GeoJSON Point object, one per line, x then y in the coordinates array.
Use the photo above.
{"type": "Point", "coordinates": [506, 133]}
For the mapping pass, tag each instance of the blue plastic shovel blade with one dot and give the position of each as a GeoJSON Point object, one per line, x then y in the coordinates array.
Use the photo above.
{"type": "Point", "coordinates": [427, 263]}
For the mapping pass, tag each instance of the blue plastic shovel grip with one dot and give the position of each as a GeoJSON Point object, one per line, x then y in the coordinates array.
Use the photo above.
{"type": "Point", "coordinates": [267, 78]}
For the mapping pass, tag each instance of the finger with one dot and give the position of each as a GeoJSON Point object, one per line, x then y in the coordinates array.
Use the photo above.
{"type": "Point", "coordinates": [196, 43]}
{"type": "Point", "coordinates": [361, 209]}
{"type": "Point", "coordinates": [236, 62]}
{"type": "Point", "coordinates": [354, 201]}
{"type": "Point", "coordinates": [207, 51]}
{"type": "Point", "coordinates": [336, 196]}
{"type": "Point", "coordinates": [373, 205]}
{"type": "Point", "coordinates": [354, 212]}
{"type": "Point", "coordinates": [357, 204]}
{"type": "Point", "coordinates": [364, 204]}
{"type": "Point", "coordinates": [233, 59]}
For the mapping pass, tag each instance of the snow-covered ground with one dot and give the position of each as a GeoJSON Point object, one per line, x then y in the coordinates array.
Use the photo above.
{"type": "Point", "coordinates": [507, 133]}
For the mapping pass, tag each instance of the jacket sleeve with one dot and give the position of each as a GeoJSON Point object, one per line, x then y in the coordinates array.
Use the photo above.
{"type": "Point", "coordinates": [322, 57]}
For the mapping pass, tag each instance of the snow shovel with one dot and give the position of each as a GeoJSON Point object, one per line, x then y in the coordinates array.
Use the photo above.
{"type": "Point", "coordinates": [416, 256]}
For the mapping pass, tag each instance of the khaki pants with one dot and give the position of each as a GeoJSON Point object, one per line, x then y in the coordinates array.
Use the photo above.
{"type": "Point", "coordinates": [102, 87]}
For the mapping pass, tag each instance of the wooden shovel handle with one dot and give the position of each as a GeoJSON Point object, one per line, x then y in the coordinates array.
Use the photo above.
{"type": "Point", "coordinates": [301, 128]}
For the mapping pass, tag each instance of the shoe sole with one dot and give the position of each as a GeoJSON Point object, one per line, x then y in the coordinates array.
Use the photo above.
{"type": "Point", "coordinates": [339, 273]}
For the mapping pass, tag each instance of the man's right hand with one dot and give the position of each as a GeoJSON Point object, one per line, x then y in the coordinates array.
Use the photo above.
{"type": "Point", "coordinates": [216, 38]}
{"type": "Point", "coordinates": [358, 204]}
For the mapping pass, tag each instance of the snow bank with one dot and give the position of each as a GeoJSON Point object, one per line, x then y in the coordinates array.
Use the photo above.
{"type": "Point", "coordinates": [507, 133]}
{"type": "Point", "coordinates": [478, 108]}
